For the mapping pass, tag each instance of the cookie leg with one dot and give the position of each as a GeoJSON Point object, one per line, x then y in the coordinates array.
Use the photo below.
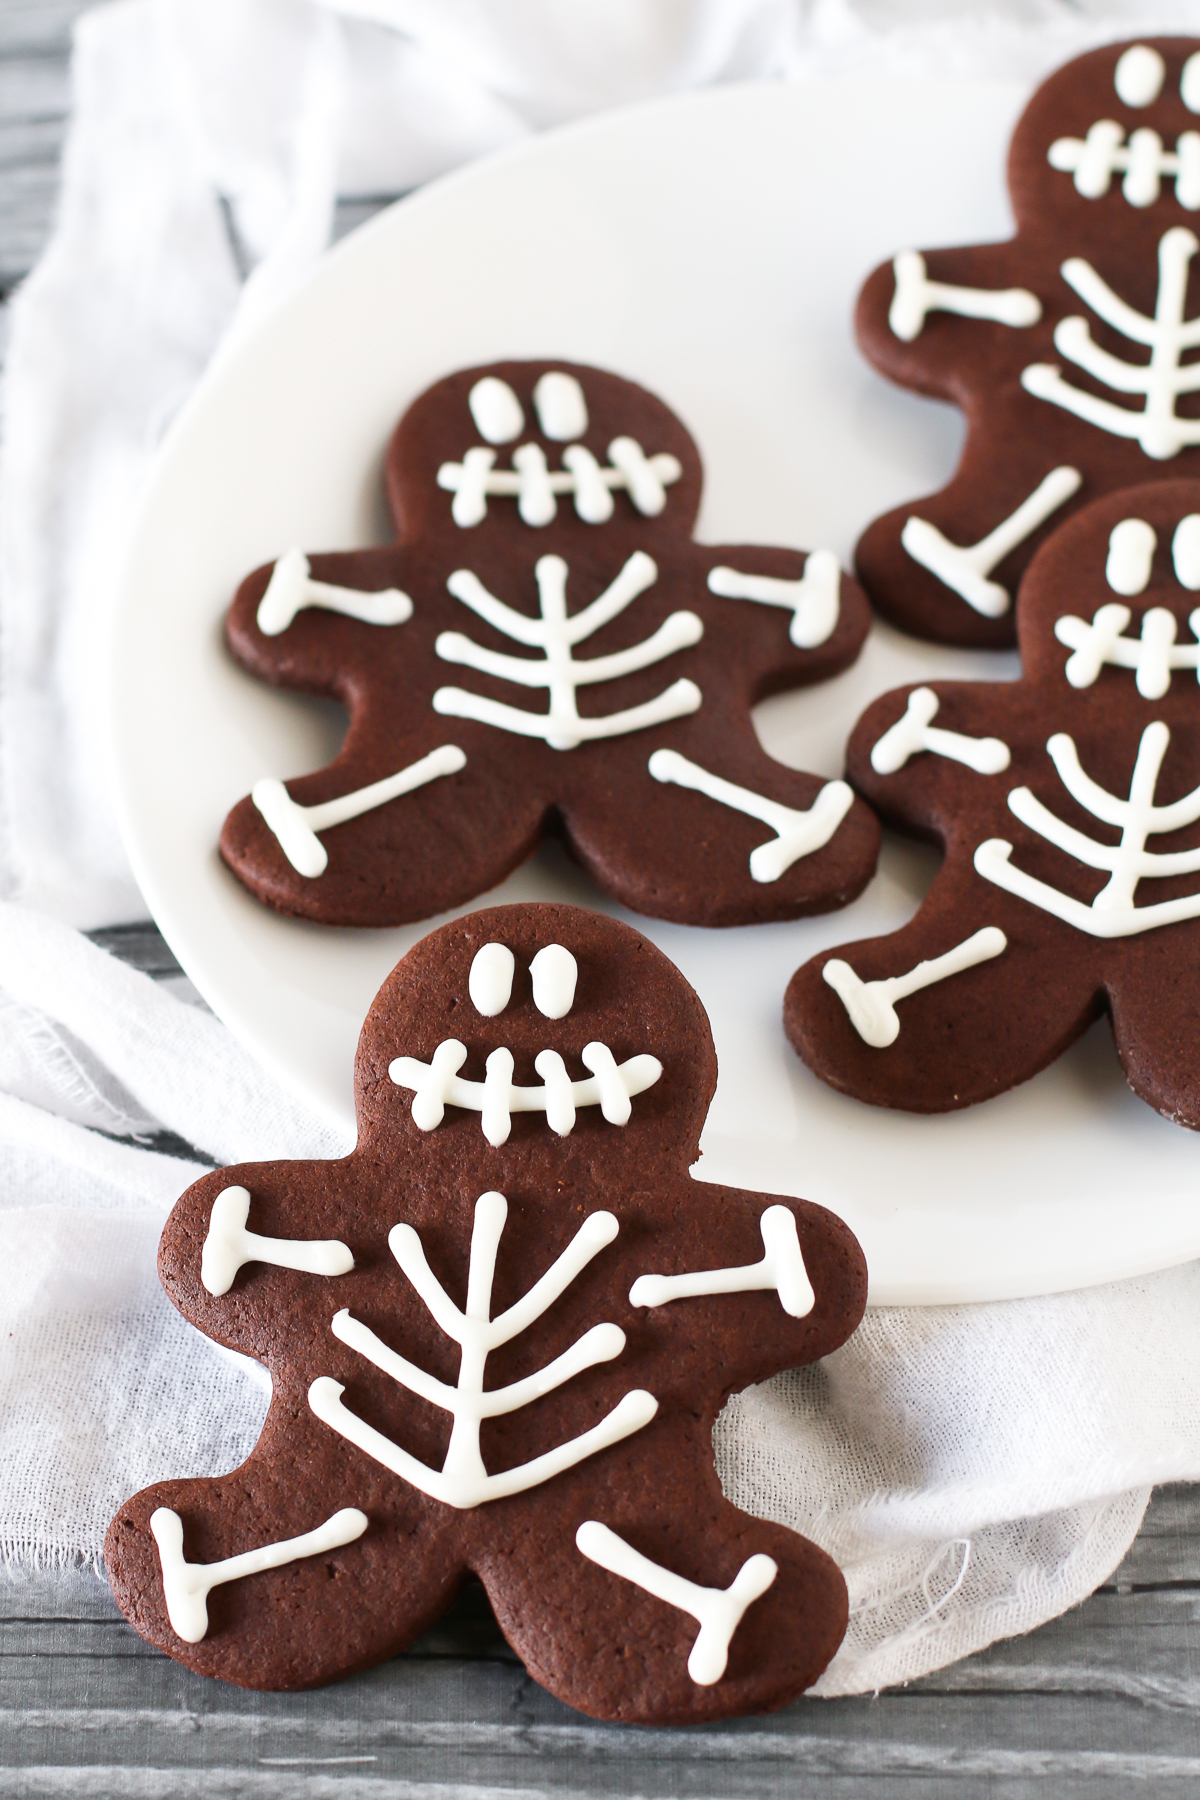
{"type": "Point", "coordinates": [724, 837]}
{"type": "Point", "coordinates": [1157, 1027]}
{"type": "Point", "coordinates": [652, 1600]}
{"type": "Point", "coordinates": [271, 1584]}
{"type": "Point", "coordinates": [955, 1008]}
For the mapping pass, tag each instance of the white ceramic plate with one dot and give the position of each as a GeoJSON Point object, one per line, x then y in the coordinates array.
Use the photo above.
{"type": "Point", "coordinates": [711, 247]}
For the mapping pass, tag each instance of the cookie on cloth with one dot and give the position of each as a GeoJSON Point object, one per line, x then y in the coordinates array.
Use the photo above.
{"type": "Point", "coordinates": [1068, 806]}
{"type": "Point", "coordinates": [1071, 348]}
{"type": "Point", "coordinates": [546, 649]}
{"type": "Point", "coordinates": [499, 1333]}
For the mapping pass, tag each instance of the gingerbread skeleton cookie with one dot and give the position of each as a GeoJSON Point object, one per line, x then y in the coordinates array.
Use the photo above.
{"type": "Point", "coordinates": [1068, 804]}
{"type": "Point", "coordinates": [547, 650]}
{"type": "Point", "coordinates": [499, 1334]}
{"type": "Point", "coordinates": [1072, 348]}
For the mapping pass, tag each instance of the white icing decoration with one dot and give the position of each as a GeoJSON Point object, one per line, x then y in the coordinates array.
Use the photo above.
{"type": "Point", "coordinates": [490, 981]}
{"type": "Point", "coordinates": [561, 408]}
{"type": "Point", "coordinates": [1131, 547]}
{"type": "Point", "coordinates": [498, 414]}
{"type": "Point", "coordinates": [291, 589]}
{"type": "Point", "coordinates": [916, 296]}
{"type": "Point", "coordinates": [555, 973]}
{"type": "Point", "coordinates": [1189, 83]}
{"type": "Point", "coordinates": [871, 1005]}
{"type": "Point", "coordinates": [186, 1586]}
{"type": "Point", "coordinates": [229, 1245]}
{"type": "Point", "coordinates": [1094, 161]}
{"type": "Point", "coordinates": [799, 833]}
{"type": "Point", "coordinates": [437, 1085]}
{"type": "Point", "coordinates": [1156, 427]}
{"type": "Point", "coordinates": [1153, 655]}
{"type": "Point", "coordinates": [913, 733]}
{"type": "Point", "coordinates": [463, 1480]}
{"type": "Point", "coordinates": [965, 567]}
{"type": "Point", "coordinates": [1139, 74]}
{"type": "Point", "coordinates": [717, 1611]}
{"type": "Point", "coordinates": [534, 485]}
{"type": "Point", "coordinates": [556, 634]}
{"type": "Point", "coordinates": [1185, 552]}
{"type": "Point", "coordinates": [296, 827]}
{"type": "Point", "coordinates": [1112, 914]}
{"type": "Point", "coordinates": [781, 1268]}
{"type": "Point", "coordinates": [814, 600]}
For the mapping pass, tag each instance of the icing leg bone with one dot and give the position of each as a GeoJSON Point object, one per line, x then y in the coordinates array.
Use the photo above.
{"type": "Point", "coordinates": [916, 296]}
{"type": "Point", "coordinates": [717, 1611]}
{"type": "Point", "coordinates": [186, 1586]}
{"type": "Point", "coordinates": [872, 1004]}
{"type": "Point", "coordinates": [781, 1268]}
{"type": "Point", "coordinates": [913, 733]}
{"type": "Point", "coordinates": [799, 833]}
{"type": "Point", "coordinates": [965, 567]}
{"type": "Point", "coordinates": [463, 1481]}
{"type": "Point", "coordinates": [437, 1084]}
{"type": "Point", "coordinates": [229, 1245]}
{"type": "Point", "coordinates": [295, 827]}
{"type": "Point", "coordinates": [813, 600]}
{"type": "Point", "coordinates": [291, 588]}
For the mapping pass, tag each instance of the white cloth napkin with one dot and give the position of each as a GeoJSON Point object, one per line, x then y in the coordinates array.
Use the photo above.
{"type": "Point", "coordinates": [974, 1469]}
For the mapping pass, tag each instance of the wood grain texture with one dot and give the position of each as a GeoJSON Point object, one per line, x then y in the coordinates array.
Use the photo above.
{"type": "Point", "coordinates": [1099, 1704]}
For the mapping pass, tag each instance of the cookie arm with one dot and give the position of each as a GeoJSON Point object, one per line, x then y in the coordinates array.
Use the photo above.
{"type": "Point", "coordinates": [314, 622]}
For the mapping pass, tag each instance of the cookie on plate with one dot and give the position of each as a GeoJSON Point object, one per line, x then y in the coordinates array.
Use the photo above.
{"type": "Point", "coordinates": [1068, 806]}
{"type": "Point", "coordinates": [499, 1333]}
{"type": "Point", "coordinates": [546, 649]}
{"type": "Point", "coordinates": [1070, 348]}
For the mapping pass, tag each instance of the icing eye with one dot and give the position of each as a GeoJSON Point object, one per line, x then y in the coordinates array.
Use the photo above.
{"type": "Point", "coordinates": [1130, 553]}
{"type": "Point", "coordinates": [1138, 76]}
{"type": "Point", "coordinates": [496, 410]}
{"type": "Point", "coordinates": [491, 979]}
{"type": "Point", "coordinates": [1185, 552]}
{"type": "Point", "coordinates": [1189, 83]}
{"type": "Point", "coordinates": [554, 972]}
{"type": "Point", "coordinates": [561, 408]}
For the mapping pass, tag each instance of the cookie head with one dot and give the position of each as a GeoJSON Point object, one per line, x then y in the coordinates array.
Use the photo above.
{"type": "Point", "coordinates": [1112, 138]}
{"type": "Point", "coordinates": [541, 1032]}
{"type": "Point", "coordinates": [1112, 601]}
{"type": "Point", "coordinates": [541, 454]}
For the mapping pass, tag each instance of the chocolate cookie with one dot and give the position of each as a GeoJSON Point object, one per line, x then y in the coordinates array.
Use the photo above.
{"type": "Point", "coordinates": [1043, 793]}
{"type": "Point", "coordinates": [499, 1333]}
{"type": "Point", "coordinates": [563, 567]}
{"type": "Point", "coordinates": [1070, 348]}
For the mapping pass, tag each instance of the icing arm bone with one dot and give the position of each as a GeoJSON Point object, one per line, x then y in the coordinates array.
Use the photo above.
{"type": "Point", "coordinates": [717, 1611]}
{"type": "Point", "coordinates": [292, 588]}
{"type": "Point", "coordinates": [229, 1245]}
{"type": "Point", "coordinates": [781, 1268]}
{"type": "Point", "coordinates": [813, 601]}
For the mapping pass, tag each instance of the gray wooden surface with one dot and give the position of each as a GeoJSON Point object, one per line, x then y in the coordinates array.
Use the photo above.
{"type": "Point", "coordinates": [1100, 1703]}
